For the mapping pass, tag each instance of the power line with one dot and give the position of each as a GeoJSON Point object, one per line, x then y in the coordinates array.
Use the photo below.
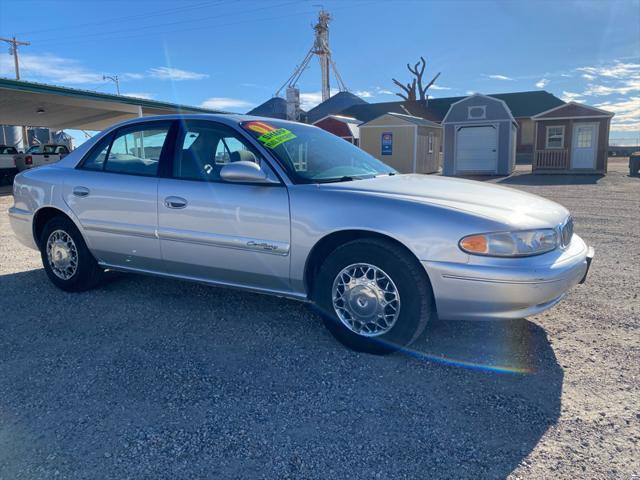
{"type": "Point", "coordinates": [161, 25]}
{"type": "Point", "coordinates": [217, 26]}
{"type": "Point", "coordinates": [145, 15]}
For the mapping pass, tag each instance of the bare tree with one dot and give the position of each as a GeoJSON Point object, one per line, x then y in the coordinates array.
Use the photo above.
{"type": "Point", "coordinates": [409, 89]}
{"type": "Point", "coordinates": [415, 90]}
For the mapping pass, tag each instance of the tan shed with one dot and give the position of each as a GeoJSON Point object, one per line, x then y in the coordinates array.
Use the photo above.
{"type": "Point", "coordinates": [408, 144]}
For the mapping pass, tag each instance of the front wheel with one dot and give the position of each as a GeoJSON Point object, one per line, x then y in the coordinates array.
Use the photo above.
{"type": "Point", "coordinates": [66, 259]}
{"type": "Point", "coordinates": [373, 295]}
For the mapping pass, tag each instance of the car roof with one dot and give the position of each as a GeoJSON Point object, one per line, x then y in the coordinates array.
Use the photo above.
{"type": "Point", "coordinates": [228, 118]}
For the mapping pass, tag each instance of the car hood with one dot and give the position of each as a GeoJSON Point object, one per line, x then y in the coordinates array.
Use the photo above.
{"type": "Point", "coordinates": [506, 205]}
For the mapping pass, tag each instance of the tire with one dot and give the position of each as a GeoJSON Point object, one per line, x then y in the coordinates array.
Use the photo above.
{"type": "Point", "coordinates": [414, 295]}
{"type": "Point", "coordinates": [83, 273]}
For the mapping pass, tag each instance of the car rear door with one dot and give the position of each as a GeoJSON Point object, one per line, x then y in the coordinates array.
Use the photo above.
{"type": "Point", "coordinates": [113, 193]}
{"type": "Point", "coordinates": [209, 229]}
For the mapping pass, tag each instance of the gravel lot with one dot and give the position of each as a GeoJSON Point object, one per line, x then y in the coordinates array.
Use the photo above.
{"type": "Point", "coordinates": [151, 378]}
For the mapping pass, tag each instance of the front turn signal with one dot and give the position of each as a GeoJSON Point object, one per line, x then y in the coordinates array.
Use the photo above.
{"type": "Point", "coordinates": [475, 244]}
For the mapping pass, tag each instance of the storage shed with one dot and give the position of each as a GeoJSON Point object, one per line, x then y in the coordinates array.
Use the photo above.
{"type": "Point", "coordinates": [343, 127]}
{"type": "Point", "coordinates": [571, 138]}
{"type": "Point", "coordinates": [480, 136]}
{"type": "Point", "coordinates": [408, 144]}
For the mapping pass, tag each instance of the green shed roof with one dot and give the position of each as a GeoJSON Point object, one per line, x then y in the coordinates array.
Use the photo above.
{"type": "Point", "coordinates": [521, 104]}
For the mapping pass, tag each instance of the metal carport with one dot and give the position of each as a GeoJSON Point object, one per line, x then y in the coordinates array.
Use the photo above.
{"type": "Point", "coordinates": [42, 105]}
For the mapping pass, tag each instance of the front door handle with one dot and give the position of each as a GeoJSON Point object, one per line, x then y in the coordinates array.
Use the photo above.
{"type": "Point", "coordinates": [80, 191]}
{"type": "Point", "coordinates": [175, 202]}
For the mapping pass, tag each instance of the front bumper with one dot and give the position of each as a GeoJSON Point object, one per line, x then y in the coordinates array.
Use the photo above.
{"type": "Point", "coordinates": [507, 288]}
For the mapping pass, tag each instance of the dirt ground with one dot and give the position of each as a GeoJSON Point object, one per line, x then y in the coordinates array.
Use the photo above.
{"type": "Point", "coordinates": [151, 378]}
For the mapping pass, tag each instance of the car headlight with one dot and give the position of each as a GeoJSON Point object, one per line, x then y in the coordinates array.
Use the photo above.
{"type": "Point", "coordinates": [511, 244]}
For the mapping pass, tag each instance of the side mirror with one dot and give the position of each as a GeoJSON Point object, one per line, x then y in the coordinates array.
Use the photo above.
{"type": "Point", "coordinates": [244, 172]}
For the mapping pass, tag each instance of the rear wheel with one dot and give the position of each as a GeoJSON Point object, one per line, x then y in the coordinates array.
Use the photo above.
{"type": "Point", "coordinates": [373, 296]}
{"type": "Point", "coordinates": [67, 260]}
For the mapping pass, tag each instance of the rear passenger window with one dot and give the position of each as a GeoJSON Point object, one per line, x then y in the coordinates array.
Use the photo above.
{"type": "Point", "coordinates": [137, 150]}
{"type": "Point", "coordinates": [97, 156]}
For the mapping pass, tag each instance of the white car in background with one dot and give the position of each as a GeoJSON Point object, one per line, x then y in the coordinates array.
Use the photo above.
{"type": "Point", "coordinates": [39, 155]}
{"type": "Point", "coordinates": [8, 168]}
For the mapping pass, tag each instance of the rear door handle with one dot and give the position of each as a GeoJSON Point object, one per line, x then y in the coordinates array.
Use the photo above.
{"type": "Point", "coordinates": [80, 191]}
{"type": "Point", "coordinates": [175, 202]}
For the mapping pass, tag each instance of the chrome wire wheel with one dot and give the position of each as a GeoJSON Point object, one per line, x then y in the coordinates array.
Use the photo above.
{"type": "Point", "coordinates": [365, 299]}
{"type": "Point", "coordinates": [62, 254]}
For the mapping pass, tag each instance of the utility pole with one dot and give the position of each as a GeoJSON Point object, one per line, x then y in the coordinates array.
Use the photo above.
{"type": "Point", "coordinates": [13, 50]}
{"type": "Point", "coordinates": [114, 79]}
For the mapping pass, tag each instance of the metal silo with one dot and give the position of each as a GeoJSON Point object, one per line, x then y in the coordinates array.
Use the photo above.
{"type": "Point", "coordinates": [11, 135]}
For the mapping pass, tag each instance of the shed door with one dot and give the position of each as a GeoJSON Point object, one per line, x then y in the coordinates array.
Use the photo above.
{"type": "Point", "coordinates": [477, 149]}
{"type": "Point", "coordinates": [584, 148]}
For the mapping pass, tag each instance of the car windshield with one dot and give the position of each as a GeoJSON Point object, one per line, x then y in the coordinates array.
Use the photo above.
{"type": "Point", "coordinates": [312, 155]}
{"type": "Point", "coordinates": [35, 149]}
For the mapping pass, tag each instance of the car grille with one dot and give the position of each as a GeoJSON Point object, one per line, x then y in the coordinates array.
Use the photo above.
{"type": "Point", "coordinates": [566, 232]}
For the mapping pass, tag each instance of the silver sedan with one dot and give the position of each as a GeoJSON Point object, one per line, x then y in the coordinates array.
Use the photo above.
{"type": "Point", "coordinates": [288, 209]}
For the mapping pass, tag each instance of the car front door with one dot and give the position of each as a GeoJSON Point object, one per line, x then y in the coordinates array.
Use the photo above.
{"type": "Point", "coordinates": [113, 194]}
{"type": "Point", "coordinates": [209, 229]}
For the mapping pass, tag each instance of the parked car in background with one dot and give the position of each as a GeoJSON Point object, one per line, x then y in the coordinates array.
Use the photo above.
{"type": "Point", "coordinates": [39, 155]}
{"type": "Point", "coordinates": [291, 210]}
{"type": "Point", "coordinates": [8, 168]}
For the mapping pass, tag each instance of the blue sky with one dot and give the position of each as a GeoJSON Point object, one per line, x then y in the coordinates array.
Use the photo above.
{"type": "Point", "coordinates": [235, 54]}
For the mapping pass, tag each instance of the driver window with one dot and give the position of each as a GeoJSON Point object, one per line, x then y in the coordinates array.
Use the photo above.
{"type": "Point", "coordinates": [206, 147]}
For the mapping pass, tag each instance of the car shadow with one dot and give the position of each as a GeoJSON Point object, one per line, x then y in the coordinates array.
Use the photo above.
{"type": "Point", "coordinates": [550, 179]}
{"type": "Point", "coordinates": [145, 377]}
{"type": "Point", "coordinates": [5, 190]}
{"type": "Point", "coordinates": [537, 179]}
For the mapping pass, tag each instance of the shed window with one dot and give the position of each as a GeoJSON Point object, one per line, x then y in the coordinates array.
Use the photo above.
{"type": "Point", "coordinates": [555, 137]}
{"type": "Point", "coordinates": [477, 112]}
{"type": "Point", "coordinates": [430, 143]}
{"type": "Point", "coordinates": [584, 138]}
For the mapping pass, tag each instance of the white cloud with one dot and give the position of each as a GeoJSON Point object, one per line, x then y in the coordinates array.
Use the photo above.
{"type": "Point", "coordinates": [384, 91]}
{"type": "Point", "coordinates": [224, 103]}
{"type": "Point", "coordinates": [364, 93]}
{"type": "Point", "coordinates": [438, 87]}
{"type": "Point", "coordinates": [618, 70]}
{"type": "Point", "coordinates": [50, 68]}
{"type": "Point", "coordinates": [571, 96]}
{"type": "Point", "coordinates": [145, 95]}
{"type": "Point", "coordinates": [543, 82]}
{"type": "Point", "coordinates": [59, 70]}
{"type": "Point", "coordinates": [626, 87]}
{"type": "Point", "coordinates": [588, 76]}
{"type": "Point", "coordinates": [131, 76]}
{"type": "Point", "coordinates": [627, 112]}
{"type": "Point", "coordinates": [470, 92]}
{"type": "Point", "coordinates": [308, 100]}
{"type": "Point", "coordinates": [170, 73]}
{"type": "Point", "coordinates": [499, 77]}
